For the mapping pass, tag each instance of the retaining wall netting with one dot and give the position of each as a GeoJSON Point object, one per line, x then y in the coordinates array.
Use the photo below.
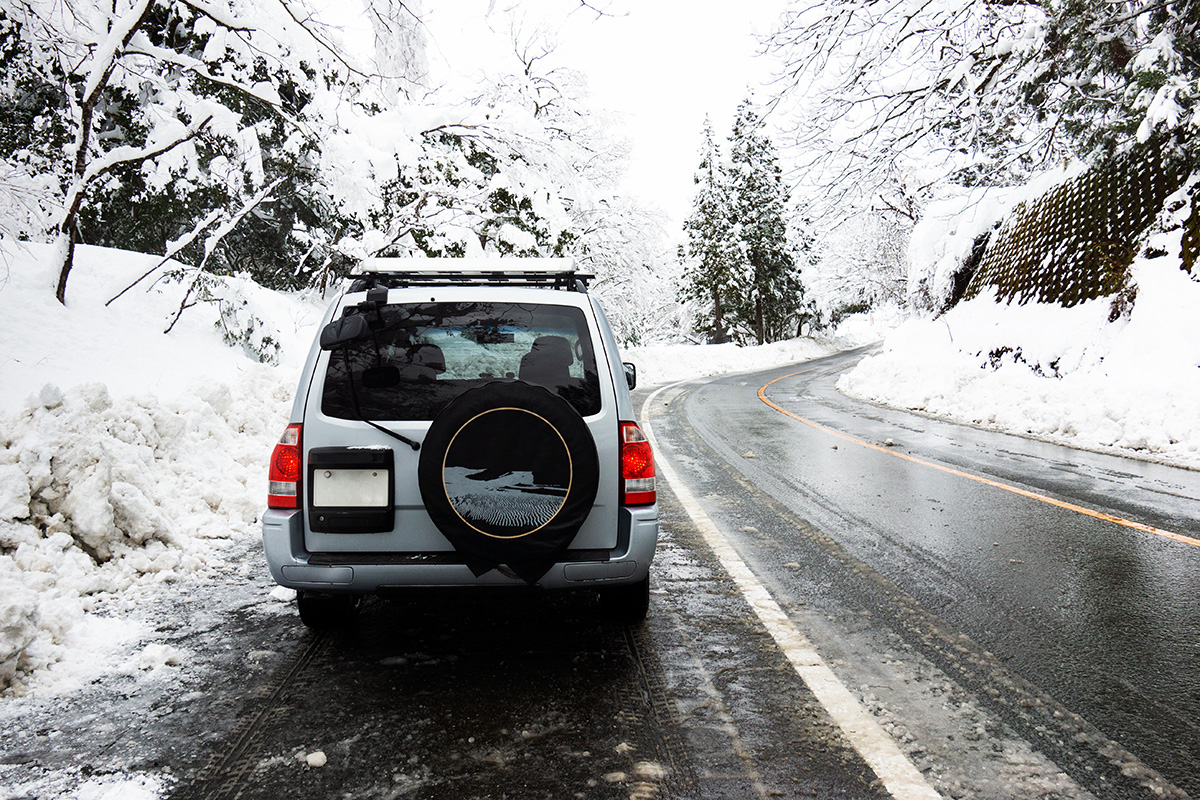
{"type": "Point", "coordinates": [1076, 243]}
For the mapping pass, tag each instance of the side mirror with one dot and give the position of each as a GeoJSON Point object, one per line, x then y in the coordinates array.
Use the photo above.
{"type": "Point", "coordinates": [630, 375]}
{"type": "Point", "coordinates": [343, 331]}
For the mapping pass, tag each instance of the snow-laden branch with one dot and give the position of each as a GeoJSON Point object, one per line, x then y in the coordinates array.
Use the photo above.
{"type": "Point", "coordinates": [105, 57]}
{"type": "Point", "coordinates": [305, 25]}
{"type": "Point", "coordinates": [264, 92]}
{"type": "Point", "coordinates": [127, 154]}
{"type": "Point", "coordinates": [211, 243]}
{"type": "Point", "coordinates": [217, 14]}
{"type": "Point", "coordinates": [174, 248]}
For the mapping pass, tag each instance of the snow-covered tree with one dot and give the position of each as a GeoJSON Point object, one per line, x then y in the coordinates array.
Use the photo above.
{"type": "Point", "coordinates": [236, 136]}
{"type": "Point", "coordinates": [624, 245]}
{"type": "Point", "coordinates": [979, 92]}
{"type": "Point", "coordinates": [400, 43]}
{"type": "Point", "coordinates": [503, 171]}
{"type": "Point", "coordinates": [864, 262]}
{"type": "Point", "coordinates": [872, 87]}
{"type": "Point", "coordinates": [712, 254]}
{"type": "Point", "coordinates": [155, 101]}
{"type": "Point", "coordinates": [771, 292]}
{"type": "Point", "coordinates": [1112, 73]}
{"type": "Point", "coordinates": [563, 144]}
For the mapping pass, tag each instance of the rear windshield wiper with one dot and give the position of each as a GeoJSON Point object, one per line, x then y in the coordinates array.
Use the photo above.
{"type": "Point", "coordinates": [358, 408]}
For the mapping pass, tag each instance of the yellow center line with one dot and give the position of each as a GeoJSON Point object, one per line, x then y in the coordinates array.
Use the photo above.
{"type": "Point", "coordinates": [1178, 537]}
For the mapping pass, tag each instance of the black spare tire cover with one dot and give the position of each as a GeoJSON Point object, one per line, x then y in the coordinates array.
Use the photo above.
{"type": "Point", "coordinates": [508, 473]}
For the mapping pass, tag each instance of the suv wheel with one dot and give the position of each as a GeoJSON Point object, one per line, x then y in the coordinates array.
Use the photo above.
{"type": "Point", "coordinates": [508, 473]}
{"type": "Point", "coordinates": [628, 603]}
{"type": "Point", "coordinates": [326, 611]}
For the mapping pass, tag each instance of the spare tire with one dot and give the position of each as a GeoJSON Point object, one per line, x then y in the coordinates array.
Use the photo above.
{"type": "Point", "coordinates": [508, 473]}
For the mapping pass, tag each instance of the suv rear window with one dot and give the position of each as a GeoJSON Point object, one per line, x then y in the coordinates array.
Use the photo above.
{"type": "Point", "coordinates": [423, 355]}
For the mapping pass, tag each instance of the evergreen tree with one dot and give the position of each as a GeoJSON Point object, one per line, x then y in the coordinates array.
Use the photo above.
{"type": "Point", "coordinates": [1109, 74]}
{"type": "Point", "coordinates": [712, 246]}
{"type": "Point", "coordinates": [771, 292]}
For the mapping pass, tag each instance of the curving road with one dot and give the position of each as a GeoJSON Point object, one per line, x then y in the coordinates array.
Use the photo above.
{"type": "Point", "coordinates": [1050, 596]}
{"type": "Point", "coordinates": [831, 616]}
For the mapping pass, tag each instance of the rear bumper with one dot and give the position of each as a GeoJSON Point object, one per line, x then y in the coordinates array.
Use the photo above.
{"type": "Point", "coordinates": [370, 573]}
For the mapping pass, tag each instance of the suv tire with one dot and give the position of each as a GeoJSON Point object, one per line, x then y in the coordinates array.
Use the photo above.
{"type": "Point", "coordinates": [508, 473]}
{"type": "Point", "coordinates": [326, 611]}
{"type": "Point", "coordinates": [628, 603]}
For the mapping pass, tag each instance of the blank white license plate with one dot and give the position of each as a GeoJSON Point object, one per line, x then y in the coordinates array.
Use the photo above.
{"type": "Point", "coordinates": [343, 488]}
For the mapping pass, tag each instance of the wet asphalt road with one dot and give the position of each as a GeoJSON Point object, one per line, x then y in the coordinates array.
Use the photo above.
{"type": "Point", "coordinates": [1083, 635]}
{"type": "Point", "coordinates": [527, 697]}
{"type": "Point", "coordinates": [1012, 648]}
{"type": "Point", "coordinates": [500, 696]}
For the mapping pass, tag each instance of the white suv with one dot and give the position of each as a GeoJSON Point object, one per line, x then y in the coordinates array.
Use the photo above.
{"type": "Point", "coordinates": [462, 423]}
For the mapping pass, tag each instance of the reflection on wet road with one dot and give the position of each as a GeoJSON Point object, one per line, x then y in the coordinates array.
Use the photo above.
{"type": "Point", "coordinates": [1098, 622]}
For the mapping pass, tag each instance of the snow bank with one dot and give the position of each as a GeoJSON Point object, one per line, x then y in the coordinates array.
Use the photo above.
{"type": "Point", "coordinates": [105, 496]}
{"type": "Point", "coordinates": [123, 345]}
{"type": "Point", "coordinates": [138, 471]}
{"type": "Point", "coordinates": [662, 364]}
{"type": "Point", "coordinates": [1064, 374]}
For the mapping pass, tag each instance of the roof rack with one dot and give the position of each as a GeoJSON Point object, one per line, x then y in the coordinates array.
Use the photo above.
{"type": "Point", "coordinates": [399, 273]}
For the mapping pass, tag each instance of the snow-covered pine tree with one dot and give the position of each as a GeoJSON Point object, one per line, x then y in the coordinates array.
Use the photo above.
{"type": "Point", "coordinates": [1112, 73]}
{"type": "Point", "coordinates": [712, 254]}
{"type": "Point", "coordinates": [771, 291]}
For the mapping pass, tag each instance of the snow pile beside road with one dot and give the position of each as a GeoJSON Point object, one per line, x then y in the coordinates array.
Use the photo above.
{"type": "Point", "coordinates": [103, 496]}
{"type": "Point", "coordinates": [1064, 374]}
{"type": "Point", "coordinates": [135, 474]}
{"type": "Point", "coordinates": [663, 364]}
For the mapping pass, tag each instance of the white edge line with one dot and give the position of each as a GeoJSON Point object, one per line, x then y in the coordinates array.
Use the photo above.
{"type": "Point", "coordinates": [898, 774]}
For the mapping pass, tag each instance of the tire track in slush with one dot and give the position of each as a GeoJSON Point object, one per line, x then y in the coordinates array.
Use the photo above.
{"type": "Point", "coordinates": [645, 705]}
{"type": "Point", "coordinates": [225, 775]}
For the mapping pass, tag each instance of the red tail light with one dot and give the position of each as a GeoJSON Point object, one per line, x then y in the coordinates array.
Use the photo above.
{"type": "Point", "coordinates": [284, 488]}
{"type": "Point", "coordinates": [637, 467]}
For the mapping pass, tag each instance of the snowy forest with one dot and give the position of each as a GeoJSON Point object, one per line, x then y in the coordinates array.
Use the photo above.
{"type": "Point", "coordinates": [250, 137]}
{"type": "Point", "coordinates": [247, 138]}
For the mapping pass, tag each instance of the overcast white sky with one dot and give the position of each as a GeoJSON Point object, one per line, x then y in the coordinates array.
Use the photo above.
{"type": "Point", "coordinates": [663, 64]}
